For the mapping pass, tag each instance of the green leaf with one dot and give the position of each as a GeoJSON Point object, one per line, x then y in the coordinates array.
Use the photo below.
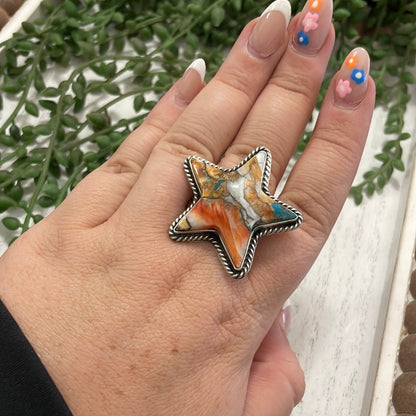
{"type": "Point", "coordinates": [70, 9]}
{"type": "Point", "coordinates": [46, 201]}
{"type": "Point", "coordinates": [15, 192]}
{"type": "Point", "coordinates": [161, 32]}
{"type": "Point", "coordinates": [383, 157]}
{"type": "Point", "coordinates": [31, 172]}
{"type": "Point", "coordinates": [86, 49]}
{"type": "Point", "coordinates": [381, 181]}
{"type": "Point", "coordinates": [398, 164]}
{"type": "Point", "coordinates": [37, 218]}
{"type": "Point", "coordinates": [97, 120]}
{"type": "Point", "coordinates": [32, 109]}
{"type": "Point", "coordinates": [217, 16]}
{"type": "Point", "coordinates": [119, 44]}
{"type": "Point", "coordinates": [118, 17]}
{"type": "Point", "coordinates": [15, 131]}
{"type": "Point", "coordinates": [236, 4]}
{"type": "Point", "coordinates": [138, 45]}
{"type": "Point", "coordinates": [61, 158]}
{"type": "Point", "coordinates": [138, 102]}
{"type": "Point", "coordinates": [25, 45]}
{"type": "Point", "coordinates": [6, 202]}
{"type": "Point", "coordinates": [29, 28]}
{"type": "Point", "coordinates": [48, 104]}
{"type": "Point", "coordinates": [112, 89]}
{"type": "Point", "coordinates": [141, 68]}
{"type": "Point", "coordinates": [341, 14]}
{"type": "Point", "coordinates": [358, 196]}
{"type": "Point", "coordinates": [42, 130]}
{"type": "Point", "coordinates": [408, 78]}
{"type": "Point", "coordinates": [7, 140]}
{"type": "Point", "coordinates": [51, 189]}
{"type": "Point", "coordinates": [69, 121]}
{"type": "Point", "coordinates": [404, 136]}
{"type": "Point", "coordinates": [79, 89]}
{"type": "Point", "coordinates": [38, 82]}
{"type": "Point", "coordinates": [370, 188]}
{"type": "Point", "coordinates": [51, 92]}
{"type": "Point", "coordinates": [10, 86]}
{"type": "Point", "coordinates": [11, 223]}
{"type": "Point", "coordinates": [103, 141]}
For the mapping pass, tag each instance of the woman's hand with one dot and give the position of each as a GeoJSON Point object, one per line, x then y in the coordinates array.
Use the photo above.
{"type": "Point", "coordinates": [129, 322]}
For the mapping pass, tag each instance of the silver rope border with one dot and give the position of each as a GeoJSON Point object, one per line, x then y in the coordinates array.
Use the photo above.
{"type": "Point", "coordinates": [213, 237]}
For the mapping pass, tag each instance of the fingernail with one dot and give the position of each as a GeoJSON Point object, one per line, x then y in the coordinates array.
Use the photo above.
{"type": "Point", "coordinates": [313, 26]}
{"type": "Point", "coordinates": [352, 80]}
{"type": "Point", "coordinates": [269, 33]}
{"type": "Point", "coordinates": [284, 316]}
{"type": "Point", "coordinates": [191, 82]}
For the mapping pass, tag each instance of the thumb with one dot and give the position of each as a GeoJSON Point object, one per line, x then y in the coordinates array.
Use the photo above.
{"type": "Point", "coordinates": [276, 381]}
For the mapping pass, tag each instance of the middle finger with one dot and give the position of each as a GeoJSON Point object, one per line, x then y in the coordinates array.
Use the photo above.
{"type": "Point", "coordinates": [284, 107]}
{"type": "Point", "coordinates": [212, 120]}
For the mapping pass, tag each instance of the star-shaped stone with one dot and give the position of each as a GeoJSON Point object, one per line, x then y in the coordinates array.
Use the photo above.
{"type": "Point", "coordinates": [232, 208]}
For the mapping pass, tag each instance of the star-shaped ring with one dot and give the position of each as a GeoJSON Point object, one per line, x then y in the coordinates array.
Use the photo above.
{"type": "Point", "coordinates": [233, 208]}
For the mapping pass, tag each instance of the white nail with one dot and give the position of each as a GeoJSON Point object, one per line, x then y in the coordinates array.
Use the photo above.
{"type": "Point", "coordinates": [199, 66]}
{"type": "Point", "coordinates": [282, 6]}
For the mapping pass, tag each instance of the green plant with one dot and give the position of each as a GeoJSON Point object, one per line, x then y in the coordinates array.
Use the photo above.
{"type": "Point", "coordinates": [54, 132]}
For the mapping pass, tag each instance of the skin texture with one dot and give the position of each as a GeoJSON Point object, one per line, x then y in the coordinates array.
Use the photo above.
{"type": "Point", "coordinates": [129, 322]}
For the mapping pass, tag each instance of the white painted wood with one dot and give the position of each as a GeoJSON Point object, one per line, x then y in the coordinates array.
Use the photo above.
{"type": "Point", "coordinates": [339, 310]}
{"type": "Point", "coordinates": [399, 298]}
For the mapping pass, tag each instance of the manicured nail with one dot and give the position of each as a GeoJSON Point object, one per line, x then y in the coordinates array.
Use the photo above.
{"type": "Point", "coordinates": [269, 33]}
{"type": "Point", "coordinates": [351, 81]}
{"type": "Point", "coordinates": [313, 26]}
{"type": "Point", "coordinates": [191, 82]}
{"type": "Point", "coordinates": [284, 316]}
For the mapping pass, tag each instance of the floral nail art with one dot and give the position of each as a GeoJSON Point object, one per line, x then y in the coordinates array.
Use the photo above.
{"type": "Point", "coordinates": [315, 5]}
{"type": "Point", "coordinates": [351, 61]}
{"type": "Point", "coordinates": [343, 88]}
{"type": "Point", "coordinates": [358, 75]}
{"type": "Point", "coordinates": [303, 38]}
{"type": "Point", "coordinates": [310, 21]}
{"type": "Point", "coordinates": [353, 73]}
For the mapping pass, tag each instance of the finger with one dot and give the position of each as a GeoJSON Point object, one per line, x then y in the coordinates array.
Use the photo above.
{"type": "Point", "coordinates": [97, 197]}
{"type": "Point", "coordinates": [321, 179]}
{"type": "Point", "coordinates": [278, 119]}
{"type": "Point", "coordinates": [208, 125]}
{"type": "Point", "coordinates": [276, 382]}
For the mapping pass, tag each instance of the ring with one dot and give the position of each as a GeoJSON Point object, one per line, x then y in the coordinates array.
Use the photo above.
{"type": "Point", "coordinates": [233, 208]}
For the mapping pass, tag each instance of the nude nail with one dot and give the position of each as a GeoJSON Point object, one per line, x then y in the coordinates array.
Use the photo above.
{"type": "Point", "coordinates": [285, 316]}
{"type": "Point", "coordinates": [313, 26]}
{"type": "Point", "coordinates": [191, 82]}
{"type": "Point", "coordinates": [269, 33]}
{"type": "Point", "coordinates": [352, 79]}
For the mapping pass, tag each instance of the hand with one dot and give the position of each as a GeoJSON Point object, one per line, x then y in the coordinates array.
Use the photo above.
{"type": "Point", "coordinates": [128, 321]}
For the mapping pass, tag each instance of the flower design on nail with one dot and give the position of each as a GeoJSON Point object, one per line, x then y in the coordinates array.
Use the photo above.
{"type": "Point", "coordinates": [351, 61]}
{"type": "Point", "coordinates": [358, 75]}
{"type": "Point", "coordinates": [310, 21]}
{"type": "Point", "coordinates": [343, 88]}
{"type": "Point", "coordinates": [315, 5]}
{"type": "Point", "coordinates": [303, 38]}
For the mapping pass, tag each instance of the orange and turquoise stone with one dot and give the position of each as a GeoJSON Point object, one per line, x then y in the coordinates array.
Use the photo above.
{"type": "Point", "coordinates": [232, 205]}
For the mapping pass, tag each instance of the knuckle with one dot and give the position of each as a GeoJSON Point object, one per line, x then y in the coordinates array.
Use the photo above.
{"type": "Point", "coordinates": [123, 163]}
{"type": "Point", "coordinates": [297, 83]}
{"type": "Point", "coordinates": [236, 83]}
{"type": "Point", "coordinates": [184, 143]}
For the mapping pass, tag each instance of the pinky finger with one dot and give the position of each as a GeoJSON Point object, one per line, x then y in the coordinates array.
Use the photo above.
{"type": "Point", "coordinates": [322, 177]}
